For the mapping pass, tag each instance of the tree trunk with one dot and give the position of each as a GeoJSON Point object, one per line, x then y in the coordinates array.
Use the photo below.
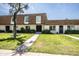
{"type": "Point", "coordinates": [14, 27]}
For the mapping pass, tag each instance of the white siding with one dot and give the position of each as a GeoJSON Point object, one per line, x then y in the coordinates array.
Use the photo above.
{"type": "Point", "coordinates": [2, 27]}
{"type": "Point", "coordinates": [24, 26]}
{"type": "Point", "coordinates": [57, 28]}
{"type": "Point", "coordinates": [46, 27]}
{"type": "Point", "coordinates": [76, 27]}
{"type": "Point", "coordinates": [64, 28]}
{"type": "Point", "coordinates": [33, 27]}
{"type": "Point", "coordinates": [18, 27]}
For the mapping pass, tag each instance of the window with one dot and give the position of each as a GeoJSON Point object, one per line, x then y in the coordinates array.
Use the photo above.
{"type": "Point", "coordinates": [38, 19]}
{"type": "Point", "coordinates": [27, 27]}
{"type": "Point", "coordinates": [71, 27]}
{"type": "Point", "coordinates": [53, 28]}
{"type": "Point", "coordinates": [50, 27]}
{"type": "Point", "coordinates": [68, 27]}
{"type": "Point", "coordinates": [26, 19]}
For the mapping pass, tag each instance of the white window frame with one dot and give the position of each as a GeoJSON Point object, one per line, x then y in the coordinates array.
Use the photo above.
{"type": "Point", "coordinates": [38, 19]}
{"type": "Point", "coordinates": [72, 27]}
{"type": "Point", "coordinates": [25, 20]}
{"type": "Point", "coordinates": [54, 27]}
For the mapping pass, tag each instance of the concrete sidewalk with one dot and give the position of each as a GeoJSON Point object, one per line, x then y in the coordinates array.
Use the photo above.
{"type": "Point", "coordinates": [30, 41]}
{"type": "Point", "coordinates": [9, 53]}
{"type": "Point", "coordinates": [72, 37]}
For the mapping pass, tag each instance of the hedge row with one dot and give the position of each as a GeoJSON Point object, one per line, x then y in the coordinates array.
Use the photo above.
{"type": "Point", "coordinates": [46, 32]}
{"type": "Point", "coordinates": [72, 32]}
{"type": "Point", "coordinates": [22, 30]}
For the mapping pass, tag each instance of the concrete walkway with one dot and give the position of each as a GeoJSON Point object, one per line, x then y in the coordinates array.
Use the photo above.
{"type": "Point", "coordinates": [72, 37]}
{"type": "Point", "coordinates": [9, 53]}
{"type": "Point", "coordinates": [30, 41]}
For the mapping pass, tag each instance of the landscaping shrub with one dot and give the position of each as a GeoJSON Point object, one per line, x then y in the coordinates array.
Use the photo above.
{"type": "Point", "coordinates": [18, 31]}
{"type": "Point", "coordinates": [25, 31]}
{"type": "Point", "coordinates": [2, 31]}
{"type": "Point", "coordinates": [9, 31]}
{"type": "Point", "coordinates": [22, 30]}
{"type": "Point", "coordinates": [32, 31]}
{"type": "Point", "coordinates": [72, 32]}
{"type": "Point", "coordinates": [46, 32]}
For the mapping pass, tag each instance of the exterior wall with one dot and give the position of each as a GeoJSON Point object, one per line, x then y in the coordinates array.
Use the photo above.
{"type": "Point", "coordinates": [47, 27]}
{"type": "Point", "coordinates": [76, 27]}
{"type": "Point", "coordinates": [24, 26]}
{"type": "Point", "coordinates": [33, 27]}
{"type": "Point", "coordinates": [57, 29]}
{"type": "Point", "coordinates": [44, 27]}
{"type": "Point", "coordinates": [2, 27]}
{"type": "Point", "coordinates": [18, 27]}
{"type": "Point", "coordinates": [64, 28]}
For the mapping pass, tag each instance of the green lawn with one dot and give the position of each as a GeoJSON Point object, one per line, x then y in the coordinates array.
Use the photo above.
{"type": "Point", "coordinates": [76, 35]}
{"type": "Point", "coordinates": [7, 42]}
{"type": "Point", "coordinates": [56, 44]}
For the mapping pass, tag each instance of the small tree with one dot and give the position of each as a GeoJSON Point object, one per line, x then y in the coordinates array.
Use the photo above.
{"type": "Point", "coordinates": [14, 10]}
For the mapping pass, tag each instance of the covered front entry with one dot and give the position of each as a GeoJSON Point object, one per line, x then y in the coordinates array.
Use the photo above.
{"type": "Point", "coordinates": [7, 28]}
{"type": "Point", "coordinates": [61, 29]}
{"type": "Point", "coordinates": [38, 28]}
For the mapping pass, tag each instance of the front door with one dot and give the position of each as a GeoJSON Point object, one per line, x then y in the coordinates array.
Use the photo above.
{"type": "Point", "coordinates": [38, 28]}
{"type": "Point", "coordinates": [60, 29]}
{"type": "Point", "coordinates": [7, 28]}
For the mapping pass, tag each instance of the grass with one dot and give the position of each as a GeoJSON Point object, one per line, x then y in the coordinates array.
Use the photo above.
{"type": "Point", "coordinates": [7, 42]}
{"type": "Point", "coordinates": [56, 44]}
{"type": "Point", "coordinates": [76, 35]}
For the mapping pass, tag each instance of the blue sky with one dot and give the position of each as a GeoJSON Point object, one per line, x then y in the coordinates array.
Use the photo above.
{"type": "Point", "coordinates": [54, 10]}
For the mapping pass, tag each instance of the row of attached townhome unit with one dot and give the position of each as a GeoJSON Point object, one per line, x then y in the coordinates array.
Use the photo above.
{"type": "Point", "coordinates": [38, 22]}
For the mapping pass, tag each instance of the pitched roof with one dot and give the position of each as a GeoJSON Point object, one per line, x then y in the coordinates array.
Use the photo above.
{"type": "Point", "coordinates": [6, 20]}
{"type": "Point", "coordinates": [62, 22]}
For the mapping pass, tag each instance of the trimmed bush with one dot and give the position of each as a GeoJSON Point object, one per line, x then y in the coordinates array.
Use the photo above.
{"type": "Point", "coordinates": [22, 30]}
{"type": "Point", "coordinates": [32, 31]}
{"type": "Point", "coordinates": [46, 32]}
{"type": "Point", "coordinates": [2, 31]}
{"type": "Point", "coordinates": [72, 32]}
{"type": "Point", "coordinates": [18, 31]}
{"type": "Point", "coordinates": [9, 31]}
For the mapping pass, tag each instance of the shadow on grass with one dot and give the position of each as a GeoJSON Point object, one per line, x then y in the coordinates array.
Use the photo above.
{"type": "Point", "coordinates": [20, 40]}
